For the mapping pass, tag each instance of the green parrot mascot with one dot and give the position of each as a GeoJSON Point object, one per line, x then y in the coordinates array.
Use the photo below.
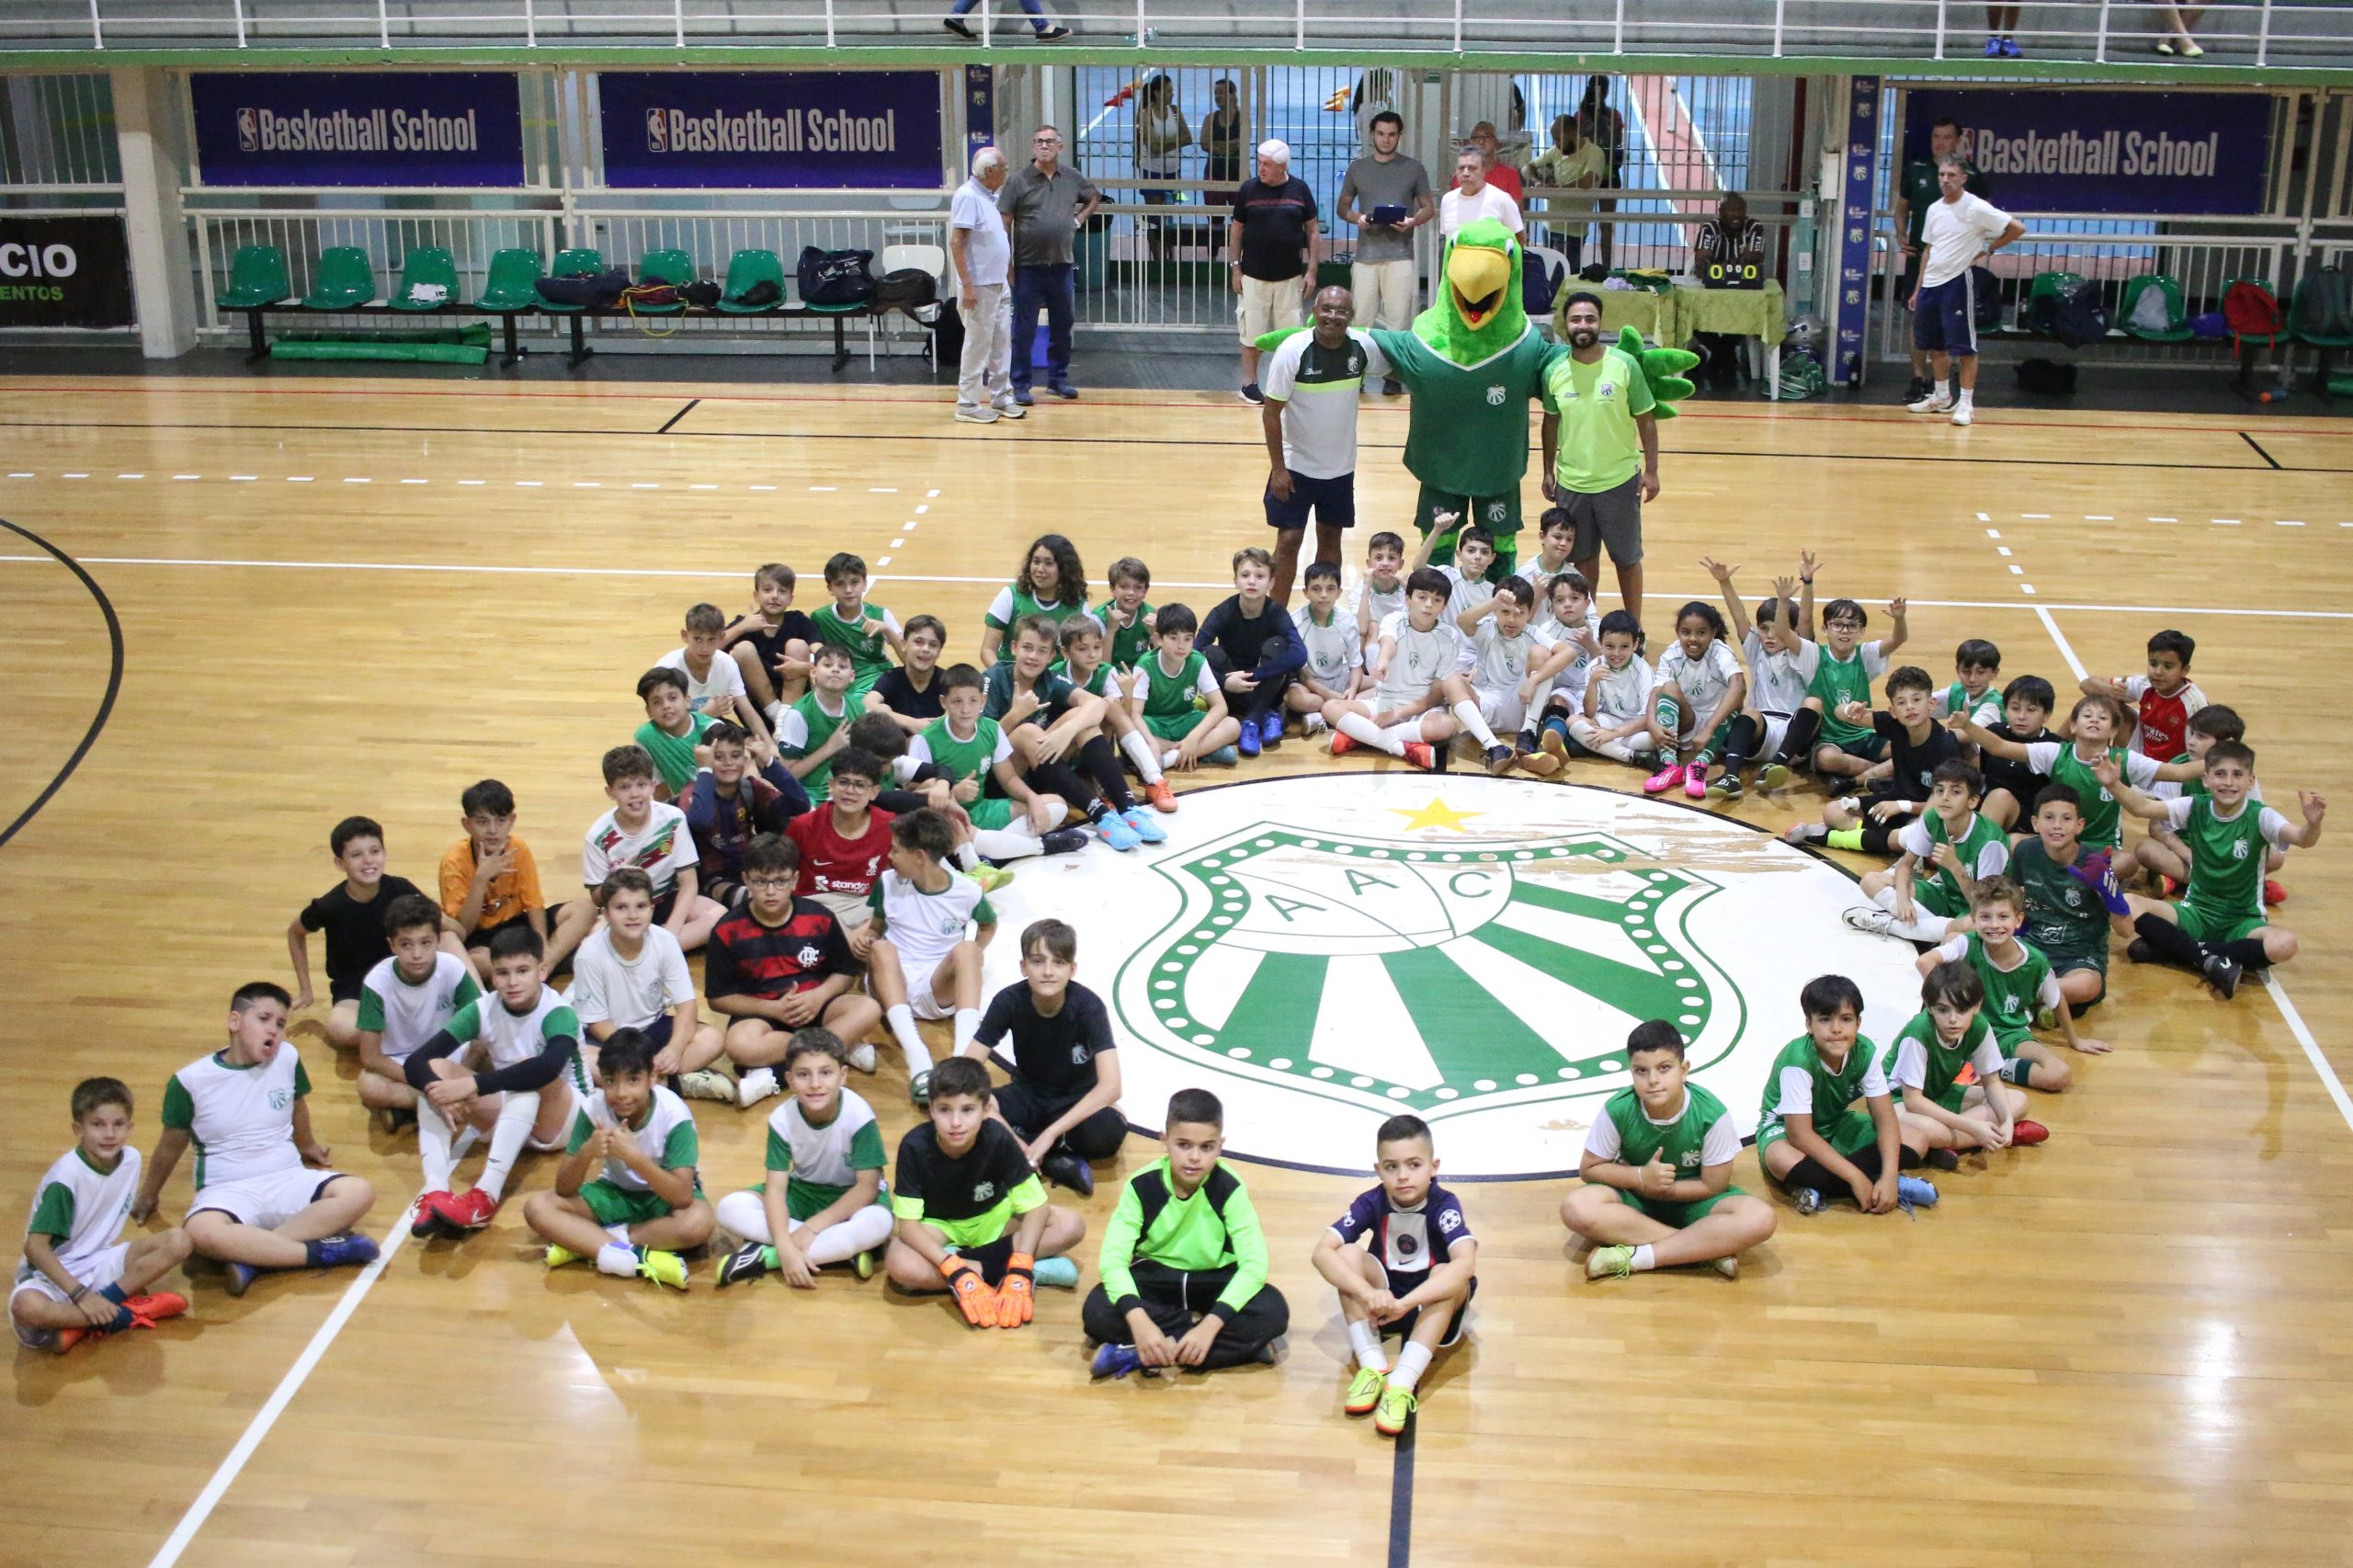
{"type": "Point", "coordinates": [1472, 362]}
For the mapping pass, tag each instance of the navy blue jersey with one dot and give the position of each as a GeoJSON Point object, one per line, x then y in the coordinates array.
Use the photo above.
{"type": "Point", "coordinates": [1408, 1242]}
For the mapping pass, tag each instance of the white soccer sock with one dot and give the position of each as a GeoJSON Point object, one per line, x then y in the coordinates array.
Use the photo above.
{"type": "Point", "coordinates": [1928, 928]}
{"type": "Point", "coordinates": [968, 1024]}
{"type": "Point", "coordinates": [1412, 1362]}
{"type": "Point", "coordinates": [862, 1231]}
{"type": "Point", "coordinates": [744, 1214]}
{"type": "Point", "coordinates": [1365, 1340]}
{"type": "Point", "coordinates": [1007, 843]}
{"type": "Point", "coordinates": [507, 1140]}
{"type": "Point", "coordinates": [1360, 727]}
{"type": "Point", "coordinates": [1312, 725]}
{"type": "Point", "coordinates": [968, 856]}
{"type": "Point", "coordinates": [433, 1147]}
{"type": "Point", "coordinates": [1171, 757]}
{"type": "Point", "coordinates": [1467, 714]}
{"type": "Point", "coordinates": [774, 713]}
{"type": "Point", "coordinates": [902, 1019]}
{"type": "Point", "coordinates": [1139, 751]}
{"type": "Point", "coordinates": [618, 1259]}
{"type": "Point", "coordinates": [620, 1235]}
{"type": "Point", "coordinates": [1644, 1259]}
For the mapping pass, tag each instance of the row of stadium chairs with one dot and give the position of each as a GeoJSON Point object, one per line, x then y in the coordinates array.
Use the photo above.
{"type": "Point", "coordinates": [2176, 328]}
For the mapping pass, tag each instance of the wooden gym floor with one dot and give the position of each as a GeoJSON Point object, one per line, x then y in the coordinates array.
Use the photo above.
{"type": "Point", "coordinates": [338, 596]}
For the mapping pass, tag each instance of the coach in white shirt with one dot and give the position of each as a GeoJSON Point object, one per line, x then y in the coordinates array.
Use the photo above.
{"type": "Point", "coordinates": [1474, 198]}
{"type": "Point", "coordinates": [1959, 227]}
{"type": "Point", "coordinates": [977, 238]}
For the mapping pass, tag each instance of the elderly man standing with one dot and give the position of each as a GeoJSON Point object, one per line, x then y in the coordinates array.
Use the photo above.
{"type": "Point", "coordinates": [984, 254]}
{"type": "Point", "coordinates": [1272, 240]}
{"type": "Point", "coordinates": [1474, 198]}
{"type": "Point", "coordinates": [1312, 382]}
{"type": "Point", "coordinates": [1046, 205]}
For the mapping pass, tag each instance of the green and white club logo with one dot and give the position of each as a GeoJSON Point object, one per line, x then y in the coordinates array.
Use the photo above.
{"type": "Point", "coordinates": [1325, 952]}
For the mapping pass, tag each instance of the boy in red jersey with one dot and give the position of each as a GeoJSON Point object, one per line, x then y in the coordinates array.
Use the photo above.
{"type": "Point", "coordinates": [780, 963]}
{"type": "Point", "coordinates": [2164, 700]}
{"type": "Point", "coordinates": [844, 842]}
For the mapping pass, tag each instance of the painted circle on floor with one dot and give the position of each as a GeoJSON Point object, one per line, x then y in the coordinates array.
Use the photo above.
{"type": "Point", "coordinates": [1325, 952]}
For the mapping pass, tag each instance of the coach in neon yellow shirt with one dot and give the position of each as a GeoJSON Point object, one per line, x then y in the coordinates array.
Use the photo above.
{"type": "Point", "coordinates": [1604, 464]}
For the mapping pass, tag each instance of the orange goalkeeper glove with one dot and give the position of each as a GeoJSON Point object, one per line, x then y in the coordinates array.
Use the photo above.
{"type": "Point", "coordinates": [973, 1297]}
{"type": "Point", "coordinates": [1014, 1297]}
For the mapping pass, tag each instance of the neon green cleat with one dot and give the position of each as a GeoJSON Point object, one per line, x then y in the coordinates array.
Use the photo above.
{"type": "Point", "coordinates": [1364, 1390]}
{"type": "Point", "coordinates": [557, 1257]}
{"type": "Point", "coordinates": [663, 1268]}
{"type": "Point", "coordinates": [1396, 1408]}
{"type": "Point", "coordinates": [990, 878]}
{"type": "Point", "coordinates": [1610, 1263]}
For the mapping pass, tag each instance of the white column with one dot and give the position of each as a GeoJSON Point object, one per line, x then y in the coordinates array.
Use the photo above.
{"type": "Point", "coordinates": [155, 163]}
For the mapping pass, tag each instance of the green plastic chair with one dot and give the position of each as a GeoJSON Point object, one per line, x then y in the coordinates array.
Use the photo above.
{"type": "Point", "coordinates": [2177, 327]}
{"type": "Point", "coordinates": [256, 278]}
{"type": "Point", "coordinates": [2328, 343]}
{"type": "Point", "coordinates": [573, 263]}
{"type": "Point", "coordinates": [744, 269]}
{"type": "Point", "coordinates": [2045, 285]}
{"type": "Point", "coordinates": [427, 265]}
{"type": "Point", "coordinates": [674, 267]}
{"type": "Point", "coordinates": [513, 283]}
{"type": "Point", "coordinates": [345, 280]}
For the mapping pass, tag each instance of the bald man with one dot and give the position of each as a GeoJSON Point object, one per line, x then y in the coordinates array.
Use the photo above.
{"type": "Point", "coordinates": [1310, 417]}
{"type": "Point", "coordinates": [983, 253]}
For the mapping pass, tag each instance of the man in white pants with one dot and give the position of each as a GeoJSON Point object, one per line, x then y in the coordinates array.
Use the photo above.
{"type": "Point", "coordinates": [1387, 196]}
{"type": "Point", "coordinates": [983, 253]}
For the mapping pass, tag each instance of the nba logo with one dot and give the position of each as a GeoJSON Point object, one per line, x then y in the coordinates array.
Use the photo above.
{"type": "Point", "coordinates": [248, 132]}
{"type": "Point", "coordinates": [657, 132]}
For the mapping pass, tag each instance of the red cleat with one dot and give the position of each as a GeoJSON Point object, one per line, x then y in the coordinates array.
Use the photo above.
{"type": "Point", "coordinates": [2029, 1133]}
{"type": "Point", "coordinates": [2273, 893]}
{"type": "Point", "coordinates": [148, 1311]}
{"type": "Point", "coordinates": [437, 1215]}
{"type": "Point", "coordinates": [1342, 744]}
{"type": "Point", "coordinates": [1421, 755]}
{"type": "Point", "coordinates": [1161, 797]}
{"type": "Point", "coordinates": [67, 1339]}
{"type": "Point", "coordinates": [474, 1211]}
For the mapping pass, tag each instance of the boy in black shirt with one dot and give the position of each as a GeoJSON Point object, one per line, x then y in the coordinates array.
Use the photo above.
{"type": "Point", "coordinates": [1064, 1097]}
{"type": "Point", "coordinates": [1254, 648]}
{"type": "Point", "coordinates": [352, 916]}
{"type": "Point", "coordinates": [972, 1217]}
{"type": "Point", "coordinates": [2009, 785]}
{"type": "Point", "coordinates": [1917, 744]}
{"type": "Point", "coordinates": [771, 643]}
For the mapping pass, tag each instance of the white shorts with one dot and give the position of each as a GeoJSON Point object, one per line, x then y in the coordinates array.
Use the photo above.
{"type": "Point", "coordinates": [263, 1201]}
{"type": "Point", "coordinates": [1501, 709]}
{"type": "Point", "coordinates": [1265, 307]}
{"type": "Point", "coordinates": [1777, 730]}
{"type": "Point", "coordinates": [98, 1274]}
{"type": "Point", "coordinates": [923, 999]}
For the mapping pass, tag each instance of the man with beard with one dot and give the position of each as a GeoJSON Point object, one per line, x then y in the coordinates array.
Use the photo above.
{"type": "Point", "coordinates": [1608, 465]}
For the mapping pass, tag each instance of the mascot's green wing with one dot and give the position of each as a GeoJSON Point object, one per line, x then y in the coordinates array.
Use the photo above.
{"type": "Point", "coordinates": [1663, 368]}
{"type": "Point", "coordinates": [1270, 341]}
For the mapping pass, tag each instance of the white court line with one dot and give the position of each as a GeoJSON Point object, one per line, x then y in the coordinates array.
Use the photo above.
{"type": "Point", "coordinates": [2295, 1019]}
{"type": "Point", "coordinates": [280, 1397]}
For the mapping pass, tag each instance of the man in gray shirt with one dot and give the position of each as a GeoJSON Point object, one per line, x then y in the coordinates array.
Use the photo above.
{"type": "Point", "coordinates": [1044, 204]}
{"type": "Point", "coordinates": [1383, 279]}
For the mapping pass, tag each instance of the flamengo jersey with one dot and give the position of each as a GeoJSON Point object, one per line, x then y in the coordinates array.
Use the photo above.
{"type": "Point", "coordinates": [239, 1118]}
{"type": "Point", "coordinates": [1697, 1136]}
{"type": "Point", "coordinates": [407, 1014]}
{"type": "Point", "coordinates": [81, 1209]}
{"type": "Point", "coordinates": [925, 926]}
{"type": "Point", "coordinates": [667, 1134]}
{"type": "Point", "coordinates": [509, 1038]}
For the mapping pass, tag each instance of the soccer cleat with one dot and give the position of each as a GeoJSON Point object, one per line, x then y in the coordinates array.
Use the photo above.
{"type": "Point", "coordinates": [1224, 756]}
{"type": "Point", "coordinates": [1774, 775]}
{"type": "Point", "coordinates": [1870, 917]}
{"type": "Point", "coordinates": [1498, 759]}
{"type": "Point", "coordinates": [1555, 744]}
{"type": "Point", "coordinates": [757, 1086]}
{"type": "Point", "coordinates": [1271, 730]}
{"type": "Point", "coordinates": [862, 1056]}
{"type": "Point", "coordinates": [2029, 1133]}
{"type": "Point", "coordinates": [1543, 764]}
{"type": "Point", "coordinates": [1342, 744]}
{"type": "Point", "coordinates": [1251, 394]}
{"type": "Point", "coordinates": [1396, 1408]}
{"type": "Point", "coordinates": [1937, 401]}
{"type": "Point", "coordinates": [2138, 950]}
{"type": "Point", "coordinates": [348, 1251]}
{"type": "Point", "coordinates": [1061, 841]}
{"type": "Point", "coordinates": [2273, 893]}
{"type": "Point", "coordinates": [241, 1277]}
{"type": "Point", "coordinates": [1062, 1273]}
{"type": "Point", "coordinates": [1665, 779]}
{"type": "Point", "coordinates": [1962, 412]}
{"type": "Point", "coordinates": [1068, 1170]}
{"type": "Point", "coordinates": [1805, 1200]}
{"type": "Point", "coordinates": [1942, 1160]}
{"type": "Point", "coordinates": [662, 1267]}
{"type": "Point", "coordinates": [707, 1083]}
{"type": "Point", "coordinates": [2010, 49]}
{"type": "Point", "coordinates": [1161, 797]}
{"type": "Point", "coordinates": [990, 878]}
{"type": "Point", "coordinates": [919, 1090]}
{"type": "Point", "coordinates": [433, 1216]}
{"type": "Point", "coordinates": [1837, 785]}
{"type": "Point", "coordinates": [1246, 742]}
{"type": "Point", "coordinates": [60, 1340]}
{"type": "Point", "coordinates": [1803, 834]}
{"type": "Point", "coordinates": [1115, 830]}
{"type": "Point", "coordinates": [557, 1256]}
{"type": "Point", "coordinates": [745, 1262]}
{"type": "Point", "coordinates": [2222, 974]}
{"type": "Point", "coordinates": [1610, 1263]}
{"type": "Point", "coordinates": [148, 1311]}
{"type": "Point", "coordinates": [1421, 756]}
{"type": "Point", "coordinates": [1140, 822]}
{"type": "Point", "coordinates": [1918, 389]}
{"type": "Point", "coordinates": [976, 415]}
{"type": "Point", "coordinates": [1364, 1390]}
{"type": "Point", "coordinates": [1725, 785]}
{"type": "Point", "coordinates": [1915, 1191]}
{"type": "Point", "coordinates": [1117, 1362]}
{"type": "Point", "coordinates": [1695, 784]}
{"type": "Point", "coordinates": [1992, 48]}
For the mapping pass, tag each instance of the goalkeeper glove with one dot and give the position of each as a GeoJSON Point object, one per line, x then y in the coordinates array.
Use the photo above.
{"type": "Point", "coordinates": [1014, 1299]}
{"type": "Point", "coordinates": [973, 1297]}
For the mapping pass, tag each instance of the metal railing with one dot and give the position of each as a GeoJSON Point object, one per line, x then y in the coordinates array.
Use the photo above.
{"type": "Point", "coordinates": [2240, 32]}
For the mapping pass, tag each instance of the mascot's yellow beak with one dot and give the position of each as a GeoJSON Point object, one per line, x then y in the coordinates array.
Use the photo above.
{"type": "Point", "coordinates": [1479, 277]}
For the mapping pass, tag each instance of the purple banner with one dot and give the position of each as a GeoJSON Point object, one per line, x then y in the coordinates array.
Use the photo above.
{"type": "Point", "coordinates": [1851, 251]}
{"type": "Point", "coordinates": [296, 128]}
{"type": "Point", "coordinates": [2075, 149]}
{"type": "Point", "coordinates": [775, 129]}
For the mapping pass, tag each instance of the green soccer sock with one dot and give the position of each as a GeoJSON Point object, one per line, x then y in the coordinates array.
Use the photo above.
{"type": "Point", "coordinates": [1846, 838]}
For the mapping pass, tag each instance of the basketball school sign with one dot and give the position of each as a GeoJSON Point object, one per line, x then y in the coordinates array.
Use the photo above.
{"type": "Point", "coordinates": [2070, 150]}
{"type": "Point", "coordinates": [1325, 952]}
{"type": "Point", "coordinates": [809, 129]}
{"type": "Point", "coordinates": [297, 129]}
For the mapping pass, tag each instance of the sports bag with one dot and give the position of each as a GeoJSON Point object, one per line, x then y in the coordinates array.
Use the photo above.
{"type": "Point", "coordinates": [835, 276]}
{"type": "Point", "coordinates": [2325, 305]}
{"type": "Point", "coordinates": [597, 291]}
{"type": "Point", "coordinates": [908, 289]}
{"type": "Point", "coordinates": [2253, 311]}
{"type": "Point", "coordinates": [2077, 315]}
{"type": "Point", "coordinates": [1986, 289]}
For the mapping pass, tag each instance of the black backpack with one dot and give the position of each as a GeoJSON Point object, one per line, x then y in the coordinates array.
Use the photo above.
{"type": "Point", "coordinates": [908, 289]}
{"type": "Point", "coordinates": [836, 276]}
{"type": "Point", "coordinates": [2074, 315]}
{"type": "Point", "coordinates": [2325, 305]}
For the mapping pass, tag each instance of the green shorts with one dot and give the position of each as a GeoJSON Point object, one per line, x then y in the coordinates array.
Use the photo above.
{"type": "Point", "coordinates": [613, 1204]}
{"type": "Point", "coordinates": [989, 812]}
{"type": "Point", "coordinates": [1499, 515]}
{"type": "Point", "coordinates": [2204, 923]}
{"type": "Point", "coordinates": [2062, 966]}
{"type": "Point", "coordinates": [1849, 1132]}
{"type": "Point", "coordinates": [1932, 897]}
{"type": "Point", "coordinates": [1868, 744]}
{"type": "Point", "coordinates": [1678, 1215]}
{"type": "Point", "coordinates": [1174, 726]}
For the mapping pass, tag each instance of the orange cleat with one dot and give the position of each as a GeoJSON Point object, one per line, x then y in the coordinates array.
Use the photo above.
{"type": "Point", "coordinates": [1161, 797]}
{"type": "Point", "coordinates": [1342, 744]}
{"type": "Point", "coordinates": [1421, 755]}
{"type": "Point", "coordinates": [148, 1311]}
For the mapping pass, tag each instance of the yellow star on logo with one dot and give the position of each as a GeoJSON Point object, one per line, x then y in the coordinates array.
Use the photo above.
{"type": "Point", "coordinates": [1438, 813]}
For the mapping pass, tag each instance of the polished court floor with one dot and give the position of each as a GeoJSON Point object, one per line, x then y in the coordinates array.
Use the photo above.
{"type": "Point", "coordinates": [300, 600]}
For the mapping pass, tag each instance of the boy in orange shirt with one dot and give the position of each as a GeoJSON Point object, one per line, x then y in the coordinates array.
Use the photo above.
{"type": "Point", "coordinates": [489, 880]}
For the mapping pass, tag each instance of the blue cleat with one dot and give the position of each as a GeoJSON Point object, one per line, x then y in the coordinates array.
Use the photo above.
{"type": "Point", "coordinates": [1223, 757]}
{"type": "Point", "coordinates": [1117, 1362]}
{"type": "Point", "coordinates": [347, 1251]}
{"type": "Point", "coordinates": [1145, 828]}
{"type": "Point", "coordinates": [1270, 729]}
{"type": "Point", "coordinates": [1913, 1192]}
{"type": "Point", "coordinates": [1248, 740]}
{"type": "Point", "coordinates": [1115, 830]}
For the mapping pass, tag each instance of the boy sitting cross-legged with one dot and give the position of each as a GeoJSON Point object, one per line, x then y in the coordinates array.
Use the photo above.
{"type": "Point", "coordinates": [823, 1200]}
{"type": "Point", "coordinates": [2019, 986]}
{"type": "Point", "coordinates": [404, 1001]}
{"type": "Point", "coordinates": [920, 962]}
{"type": "Point", "coordinates": [1184, 1263]}
{"type": "Point", "coordinates": [771, 643]}
{"type": "Point", "coordinates": [627, 1194]}
{"type": "Point", "coordinates": [1924, 1064]}
{"type": "Point", "coordinates": [714, 680]}
{"type": "Point", "coordinates": [973, 752]}
{"type": "Point", "coordinates": [972, 1217]}
{"type": "Point", "coordinates": [1810, 1138]}
{"type": "Point", "coordinates": [631, 974]}
{"type": "Point", "coordinates": [1085, 659]}
{"type": "Point", "coordinates": [77, 1278]}
{"type": "Point", "coordinates": [1909, 747]}
{"type": "Point", "coordinates": [779, 965]}
{"type": "Point", "coordinates": [1334, 667]}
{"type": "Point", "coordinates": [490, 877]}
{"type": "Point", "coordinates": [1657, 1171]}
{"type": "Point", "coordinates": [747, 791]}
{"type": "Point", "coordinates": [1414, 1278]}
{"type": "Point", "coordinates": [247, 1108]}
{"type": "Point", "coordinates": [2069, 900]}
{"type": "Point", "coordinates": [1405, 713]}
{"type": "Point", "coordinates": [1176, 699]}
